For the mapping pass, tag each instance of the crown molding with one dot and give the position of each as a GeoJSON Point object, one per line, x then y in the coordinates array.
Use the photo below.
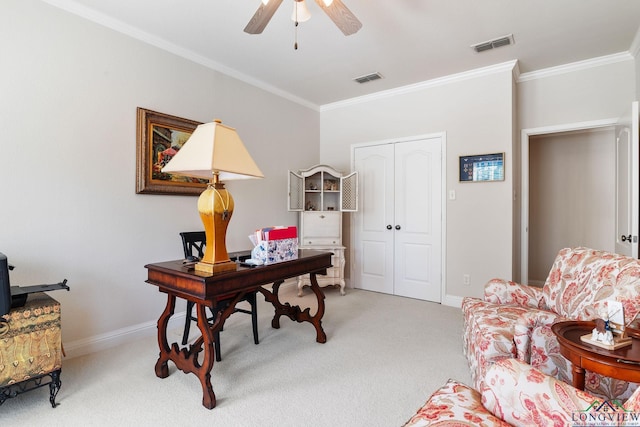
{"type": "Point", "coordinates": [575, 66]}
{"type": "Point", "coordinates": [124, 28]}
{"type": "Point", "coordinates": [440, 81]}
{"type": "Point", "coordinates": [634, 50]}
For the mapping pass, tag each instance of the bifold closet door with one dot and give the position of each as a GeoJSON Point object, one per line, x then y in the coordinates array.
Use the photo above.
{"type": "Point", "coordinates": [397, 229]}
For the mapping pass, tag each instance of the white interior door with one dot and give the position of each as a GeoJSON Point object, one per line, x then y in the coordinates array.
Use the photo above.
{"type": "Point", "coordinates": [417, 229]}
{"type": "Point", "coordinates": [627, 183]}
{"type": "Point", "coordinates": [398, 226]}
{"type": "Point", "coordinates": [373, 243]}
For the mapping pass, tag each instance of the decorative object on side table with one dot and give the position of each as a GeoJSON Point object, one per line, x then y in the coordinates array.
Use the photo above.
{"type": "Point", "coordinates": [609, 331]}
{"type": "Point", "coordinates": [633, 328]}
{"type": "Point", "coordinates": [215, 152]}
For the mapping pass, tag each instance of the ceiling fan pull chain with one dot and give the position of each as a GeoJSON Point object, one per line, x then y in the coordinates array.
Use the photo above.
{"type": "Point", "coordinates": [295, 44]}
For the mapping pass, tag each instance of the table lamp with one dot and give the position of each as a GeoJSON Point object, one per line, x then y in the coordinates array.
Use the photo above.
{"type": "Point", "coordinates": [214, 152]}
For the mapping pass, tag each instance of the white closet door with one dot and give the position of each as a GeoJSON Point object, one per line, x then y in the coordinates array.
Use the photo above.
{"type": "Point", "coordinates": [397, 229]}
{"type": "Point", "coordinates": [417, 229]}
{"type": "Point", "coordinates": [373, 243]}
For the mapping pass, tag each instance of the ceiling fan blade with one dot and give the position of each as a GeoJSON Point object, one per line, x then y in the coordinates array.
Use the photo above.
{"type": "Point", "coordinates": [341, 16]}
{"type": "Point", "coordinates": [261, 18]}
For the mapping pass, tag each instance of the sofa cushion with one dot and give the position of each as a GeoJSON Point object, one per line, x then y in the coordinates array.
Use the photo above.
{"type": "Point", "coordinates": [524, 396]}
{"type": "Point", "coordinates": [454, 404]}
{"type": "Point", "coordinates": [582, 279]}
{"type": "Point", "coordinates": [489, 333]}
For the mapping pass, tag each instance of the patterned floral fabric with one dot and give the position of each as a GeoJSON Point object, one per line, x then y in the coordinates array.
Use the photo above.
{"type": "Point", "coordinates": [488, 334]}
{"type": "Point", "coordinates": [454, 405]}
{"type": "Point", "coordinates": [523, 396]}
{"type": "Point", "coordinates": [30, 343]}
{"type": "Point", "coordinates": [515, 393]}
{"type": "Point", "coordinates": [515, 320]}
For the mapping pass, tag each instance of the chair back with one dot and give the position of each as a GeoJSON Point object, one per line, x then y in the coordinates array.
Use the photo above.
{"type": "Point", "coordinates": [193, 243]}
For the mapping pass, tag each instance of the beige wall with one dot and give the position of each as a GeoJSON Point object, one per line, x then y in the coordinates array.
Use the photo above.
{"type": "Point", "coordinates": [476, 114]}
{"type": "Point", "coordinates": [595, 93]}
{"type": "Point", "coordinates": [70, 89]}
{"type": "Point", "coordinates": [571, 199]}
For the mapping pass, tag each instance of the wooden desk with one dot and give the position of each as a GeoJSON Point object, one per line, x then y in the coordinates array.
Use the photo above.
{"type": "Point", "coordinates": [176, 280]}
{"type": "Point", "coordinates": [623, 363]}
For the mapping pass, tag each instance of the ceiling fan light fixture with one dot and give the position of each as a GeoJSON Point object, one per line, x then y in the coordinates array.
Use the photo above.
{"type": "Point", "coordinates": [264, 2]}
{"type": "Point", "coordinates": [326, 2]}
{"type": "Point", "coordinates": [300, 11]}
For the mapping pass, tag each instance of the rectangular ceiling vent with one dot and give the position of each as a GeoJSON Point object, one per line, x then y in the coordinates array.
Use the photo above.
{"type": "Point", "coordinates": [368, 78]}
{"type": "Point", "coordinates": [495, 43]}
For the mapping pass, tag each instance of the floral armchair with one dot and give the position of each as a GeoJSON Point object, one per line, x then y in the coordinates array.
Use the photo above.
{"type": "Point", "coordinates": [514, 320]}
{"type": "Point", "coordinates": [515, 393]}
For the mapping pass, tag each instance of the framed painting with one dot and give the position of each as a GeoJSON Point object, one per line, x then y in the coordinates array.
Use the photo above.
{"type": "Point", "coordinates": [482, 168]}
{"type": "Point", "coordinates": [159, 137]}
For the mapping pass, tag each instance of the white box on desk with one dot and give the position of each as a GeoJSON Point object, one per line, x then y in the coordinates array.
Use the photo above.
{"type": "Point", "coordinates": [271, 251]}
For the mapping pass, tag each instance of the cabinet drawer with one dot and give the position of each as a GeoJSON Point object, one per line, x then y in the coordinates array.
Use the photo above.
{"type": "Point", "coordinates": [321, 228]}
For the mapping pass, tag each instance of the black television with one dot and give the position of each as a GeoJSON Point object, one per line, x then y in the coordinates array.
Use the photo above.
{"type": "Point", "coordinates": [5, 286]}
{"type": "Point", "coordinates": [16, 296]}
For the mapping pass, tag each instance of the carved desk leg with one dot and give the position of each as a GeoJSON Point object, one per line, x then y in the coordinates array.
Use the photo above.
{"type": "Point", "coordinates": [187, 359]}
{"type": "Point", "coordinates": [316, 320]}
{"type": "Point", "coordinates": [295, 313]}
{"type": "Point", "coordinates": [162, 370]}
{"type": "Point", "coordinates": [204, 371]}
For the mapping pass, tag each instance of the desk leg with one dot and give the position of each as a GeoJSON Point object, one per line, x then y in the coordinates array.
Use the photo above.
{"type": "Point", "coordinates": [187, 359]}
{"type": "Point", "coordinates": [578, 376]}
{"type": "Point", "coordinates": [162, 369]}
{"type": "Point", "coordinates": [204, 371]}
{"type": "Point", "coordinates": [295, 313]}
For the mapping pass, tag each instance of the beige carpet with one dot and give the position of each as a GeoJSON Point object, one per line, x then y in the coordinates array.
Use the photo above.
{"type": "Point", "coordinates": [384, 356]}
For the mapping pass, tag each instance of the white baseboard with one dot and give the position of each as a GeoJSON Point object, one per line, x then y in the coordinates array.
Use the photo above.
{"type": "Point", "coordinates": [122, 336]}
{"type": "Point", "coordinates": [132, 333]}
{"type": "Point", "coordinates": [452, 301]}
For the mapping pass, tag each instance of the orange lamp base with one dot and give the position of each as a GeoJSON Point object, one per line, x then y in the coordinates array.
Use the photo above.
{"type": "Point", "coordinates": [217, 267]}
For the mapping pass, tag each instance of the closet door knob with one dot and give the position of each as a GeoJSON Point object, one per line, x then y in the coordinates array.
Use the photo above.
{"type": "Point", "coordinates": [389, 227]}
{"type": "Point", "coordinates": [397, 227]}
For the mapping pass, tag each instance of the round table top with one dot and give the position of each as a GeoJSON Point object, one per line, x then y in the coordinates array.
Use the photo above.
{"type": "Point", "coordinates": [569, 333]}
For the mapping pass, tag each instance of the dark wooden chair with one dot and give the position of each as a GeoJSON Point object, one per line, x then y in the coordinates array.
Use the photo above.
{"type": "Point", "coordinates": [193, 244]}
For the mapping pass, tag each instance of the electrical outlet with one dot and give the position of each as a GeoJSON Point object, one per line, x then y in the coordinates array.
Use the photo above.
{"type": "Point", "coordinates": [466, 279]}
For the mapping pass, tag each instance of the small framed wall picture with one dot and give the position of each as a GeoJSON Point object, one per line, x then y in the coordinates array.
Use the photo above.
{"type": "Point", "coordinates": [482, 168]}
{"type": "Point", "coordinates": [159, 137]}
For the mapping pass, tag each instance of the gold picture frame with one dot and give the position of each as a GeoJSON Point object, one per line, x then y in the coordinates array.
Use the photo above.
{"type": "Point", "coordinates": [159, 137]}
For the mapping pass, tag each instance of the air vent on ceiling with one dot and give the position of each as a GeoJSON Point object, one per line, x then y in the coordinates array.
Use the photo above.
{"type": "Point", "coordinates": [495, 43]}
{"type": "Point", "coordinates": [368, 78]}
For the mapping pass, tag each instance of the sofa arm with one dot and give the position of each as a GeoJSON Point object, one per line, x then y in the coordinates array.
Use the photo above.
{"type": "Point", "coordinates": [500, 291]}
{"type": "Point", "coordinates": [524, 327]}
{"type": "Point", "coordinates": [521, 395]}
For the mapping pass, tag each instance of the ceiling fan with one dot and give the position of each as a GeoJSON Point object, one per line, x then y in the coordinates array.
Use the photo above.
{"type": "Point", "coordinates": [335, 9]}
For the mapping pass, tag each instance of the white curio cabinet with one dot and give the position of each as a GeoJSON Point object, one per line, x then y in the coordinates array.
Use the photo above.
{"type": "Point", "coordinates": [322, 194]}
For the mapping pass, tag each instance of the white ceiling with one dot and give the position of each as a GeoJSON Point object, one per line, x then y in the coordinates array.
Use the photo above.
{"type": "Point", "coordinates": [407, 41]}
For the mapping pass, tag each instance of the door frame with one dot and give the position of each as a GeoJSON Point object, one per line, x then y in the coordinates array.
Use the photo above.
{"type": "Point", "coordinates": [524, 178]}
{"type": "Point", "coordinates": [443, 203]}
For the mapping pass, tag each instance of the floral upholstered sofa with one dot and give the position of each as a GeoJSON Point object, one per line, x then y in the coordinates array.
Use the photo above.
{"type": "Point", "coordinates": [515, 393]}
{"type": "Point", "coordinates": [514, 320]}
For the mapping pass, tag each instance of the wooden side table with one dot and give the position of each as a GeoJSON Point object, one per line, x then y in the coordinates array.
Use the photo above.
{"type": "Point", "coordinates": [623, 363]}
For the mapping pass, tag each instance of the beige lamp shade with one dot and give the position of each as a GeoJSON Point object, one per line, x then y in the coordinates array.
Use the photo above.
{"type": "Point", "coordinates": [214, 148]}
